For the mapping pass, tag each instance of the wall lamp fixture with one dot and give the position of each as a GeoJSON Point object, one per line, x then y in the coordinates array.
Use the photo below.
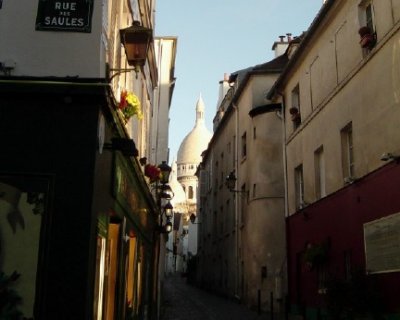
{"type": "Point", "coordinates": [389, 157]}
{"type": "Point", "coordinates": [136, 40]}
{"type": "Point", "coordinates": [125, 145]}
{"type": "Point", "coordinates": [230, 183]}
{"type": "Point", "coordinates": [165, 218]}
{"type": "Point", "coordinates": [164, 193]}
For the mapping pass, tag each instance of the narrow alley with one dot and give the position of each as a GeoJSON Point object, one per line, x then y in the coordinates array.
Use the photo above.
{"type": "Point", "coordinates": [186, 302]}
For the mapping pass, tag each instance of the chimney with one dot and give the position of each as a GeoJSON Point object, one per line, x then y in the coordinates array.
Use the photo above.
{"type": "Point", "coordinates": [289, 37]}
{"type": "Point", "coordinates": [223, 89]}
{"type": "Point", "coordinates": [280, 46]}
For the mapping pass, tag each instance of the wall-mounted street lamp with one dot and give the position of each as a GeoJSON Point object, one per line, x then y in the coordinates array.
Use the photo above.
{"type": "Point", "coordinates": [167, 212]}
{"type": "Point", "coordinates": [136, 40]}
{"type": "Point", "coordinates": [164, 192]}
{"type": "Point", "coordinates": [230, 183]}
{"type": "Point", "coordinates": [165, 172]}
{"type": "Point", "coordinates": [389, 157]}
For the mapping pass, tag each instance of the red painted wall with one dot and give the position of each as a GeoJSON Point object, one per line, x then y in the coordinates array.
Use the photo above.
{"type": "Point", "coordinates": [340, 218]}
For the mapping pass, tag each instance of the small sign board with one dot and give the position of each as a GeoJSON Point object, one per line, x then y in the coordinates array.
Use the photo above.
{"type": "Point", "coordinates": [382, 244]}
{"type": "Point", "coordinates": [65, 15]}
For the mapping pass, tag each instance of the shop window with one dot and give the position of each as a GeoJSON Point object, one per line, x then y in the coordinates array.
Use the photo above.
{"type": "Point", "coordinates": [23, 212]}
{"type": "Point", "coordinates": [111, 275]}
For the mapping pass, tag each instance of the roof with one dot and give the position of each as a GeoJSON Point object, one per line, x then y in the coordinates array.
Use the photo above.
{"type": "Point", "coordinates": [304, 41]}
{"type": "Point", "coordinates": [242, 77]}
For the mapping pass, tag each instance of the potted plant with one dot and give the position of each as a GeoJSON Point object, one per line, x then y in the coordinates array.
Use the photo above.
{"type": "Point", "coordinates": [316, 254]}
{"type": "Point", "coordinates": [129, 105]}
{"type": "Point", "coordinates": [294, 111]}
{"type": "Point", "coordinates": [367, 37]}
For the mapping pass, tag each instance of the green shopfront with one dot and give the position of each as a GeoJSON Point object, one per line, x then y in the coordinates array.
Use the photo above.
{"type": "Point", "coordinates": [77, 219]}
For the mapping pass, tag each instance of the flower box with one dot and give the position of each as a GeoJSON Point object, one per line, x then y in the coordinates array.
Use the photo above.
{"type": "Point", "coordinates": [129, 105]}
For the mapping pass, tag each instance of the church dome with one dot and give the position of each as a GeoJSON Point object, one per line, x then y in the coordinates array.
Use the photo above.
{"type": "Point", "coordinates": [196, 141]}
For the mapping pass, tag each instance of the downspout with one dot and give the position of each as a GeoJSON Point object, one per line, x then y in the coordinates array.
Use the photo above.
{"type": "Point", "coordinates": [285, 179]}
{"type": "Point", "coordinates": [237, 296]}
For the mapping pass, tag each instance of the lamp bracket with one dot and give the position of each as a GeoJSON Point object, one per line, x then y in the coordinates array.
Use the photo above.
{"type": "Point", "coordinates": [121, 71]}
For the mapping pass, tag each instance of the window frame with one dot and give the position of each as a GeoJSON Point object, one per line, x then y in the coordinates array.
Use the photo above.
{"type": "Point", "coordinates": [295, 104]}
{"type": "Point", "coordinates": [320, 173]}
{"type": "Point", "coordinates": [347, 146]}
{"type": "Point", "coordinates": [243, 149]}
{"type": "Point", "coordinates": [299, 187]}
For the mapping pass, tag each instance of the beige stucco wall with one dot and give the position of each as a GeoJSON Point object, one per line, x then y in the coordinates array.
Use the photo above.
{"type": "Point", "coordinates": [49, 53]}
{"type": "Point", "coordinates": [349, 86]}
{"type": "Point", "coordinates": [242, 232]}
{"type": "Point", "coordinates": [262, 228]}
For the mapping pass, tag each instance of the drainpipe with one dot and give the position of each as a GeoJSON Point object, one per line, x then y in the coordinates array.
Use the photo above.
{"type": "Point", "coordinates": [286, 201]}
{"type": "Point", "coordinates": [237, 296]}
{"type": "Point", "coordinates": [283, 118]}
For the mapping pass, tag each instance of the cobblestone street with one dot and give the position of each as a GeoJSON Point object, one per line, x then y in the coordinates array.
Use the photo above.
{"type": "Point", "coordinates": [186, 302]}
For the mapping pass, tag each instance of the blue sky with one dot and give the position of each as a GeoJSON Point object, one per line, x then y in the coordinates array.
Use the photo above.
{"type": "Point", "coordinates": [217, 37]}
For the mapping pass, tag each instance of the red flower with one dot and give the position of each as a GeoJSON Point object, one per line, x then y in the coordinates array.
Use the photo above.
{"type": "Point", "coordinates": [152, 172]}
{"type": "Point", "coordinates": [122, 102]}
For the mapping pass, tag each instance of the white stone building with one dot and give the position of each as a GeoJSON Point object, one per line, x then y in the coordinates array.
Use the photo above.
{"type": "Point", "coordinates": [189, 158]}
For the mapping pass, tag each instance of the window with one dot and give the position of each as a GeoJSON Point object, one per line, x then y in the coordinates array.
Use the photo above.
{"type": "Point", "coordinates": [244, 146]}
{"type": "Point", "coordinates": [299, 187]}
{"type": "Point", "coordinates": [190, 192]}
{"type": "Point", "coordinates": [367, 29]}
{"type": "Point", "coordinates": [367, 15]}
{"type": "Point", "coordinates": [295, 109]}
{"type": "Point", "coordinates": [319, 163]}
{"type": "Point", "coordinates": [347, 153]}
{"type": "Point", "coordinates": [242, 204]}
